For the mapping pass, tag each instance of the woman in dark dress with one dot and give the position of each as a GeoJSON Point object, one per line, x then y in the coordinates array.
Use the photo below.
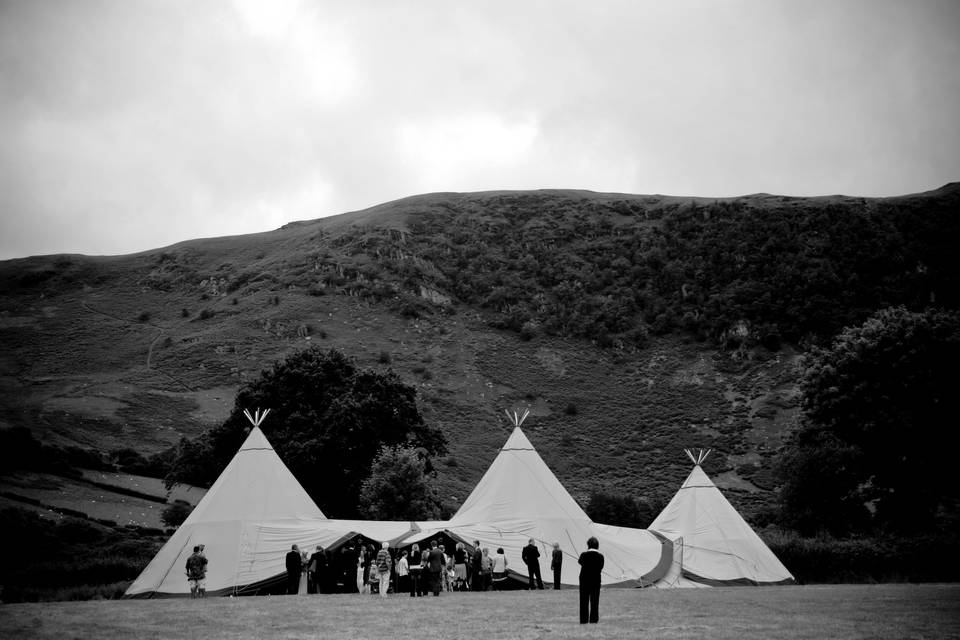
{"type": "Point", "coordinates": [591, 564]}
{"type": "Point", "coordinates": [416, 571]}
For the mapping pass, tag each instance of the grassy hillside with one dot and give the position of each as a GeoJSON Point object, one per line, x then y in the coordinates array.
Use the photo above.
{"type": "Point", "coordinates": [633, 326]}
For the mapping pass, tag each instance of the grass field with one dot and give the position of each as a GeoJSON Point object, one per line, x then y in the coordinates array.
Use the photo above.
{"type": "Point", "coordinates": [823, 611]}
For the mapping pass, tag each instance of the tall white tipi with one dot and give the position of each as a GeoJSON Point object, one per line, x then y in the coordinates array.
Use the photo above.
{"type": "Point", "coordinates": [713, 544]}
{"type": "Point", "coordinates": [255, 488]}
{"type": "Point", "coordinates": [519, 498]}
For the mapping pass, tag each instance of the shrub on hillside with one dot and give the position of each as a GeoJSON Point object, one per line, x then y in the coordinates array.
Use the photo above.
{"type": "Point", "coordinates": [128, 460]}
{"type": "Point", "coordinates": [132, 461]}
{"type": "Point", "coordinates": [410, 306]}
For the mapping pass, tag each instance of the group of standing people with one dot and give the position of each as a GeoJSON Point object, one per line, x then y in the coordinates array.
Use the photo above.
{"type": "Point", "coordinates": [591, 568]}
{"type": "Point", "coordinates": [531, 558]}
{"type": "Point", "coordinates": [346, 570]}
{"type": "Point", "coordinates": [431, 570]}
{"type": "Point", "coordinates": [420, 572]}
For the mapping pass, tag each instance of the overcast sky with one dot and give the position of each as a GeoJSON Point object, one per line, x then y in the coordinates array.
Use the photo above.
{"type": "Point", "coordinates": [128, 125]}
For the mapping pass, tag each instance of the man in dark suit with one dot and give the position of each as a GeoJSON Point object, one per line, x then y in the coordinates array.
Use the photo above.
{"type": "Point", "coordinates": [317, 570]}
{"type": "Point", "coordinates": [476, 567]}
{"type": "Point", "coordinates": [294, 567]}
{"type": "Point", "coordinates": [435, 562]}
{"type": "Point", "coordinates": [531, 558]}
{"type": "Point", "coordinates": [591, 564]}
{"type": "Point", "coordinates": [348, 569]}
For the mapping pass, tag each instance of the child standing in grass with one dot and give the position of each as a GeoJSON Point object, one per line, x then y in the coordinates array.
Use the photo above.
{"type": "Point", "coordinates": [197, 573]}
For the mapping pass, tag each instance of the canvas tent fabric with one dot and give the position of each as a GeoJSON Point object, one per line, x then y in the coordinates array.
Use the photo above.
{"type": "Point", "coordinates": [640, 543]}
{"type": "Point", "coordinates": [713, 544]}
{"type": "Point", "coordinates": [519, 498]}
{"type": "Point", "coordinates": [256, 510]}
{"type": "Point", "coordinates": [254, 490]}
{"type": "Point", "coordinates": [519, 483]}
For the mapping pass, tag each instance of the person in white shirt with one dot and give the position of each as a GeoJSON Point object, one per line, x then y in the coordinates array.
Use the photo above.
{"type": "Point", "coordinates": [499, 569]}
{"type": "Point", "coordinates": [403, 573]}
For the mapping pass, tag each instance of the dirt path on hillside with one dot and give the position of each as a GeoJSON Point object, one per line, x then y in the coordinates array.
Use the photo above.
{"type": "Point", "coordinates": [161, 334]}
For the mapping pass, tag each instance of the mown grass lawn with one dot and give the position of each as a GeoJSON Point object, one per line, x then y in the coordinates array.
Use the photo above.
{"type": "Point", "coordinates": [819, 611]}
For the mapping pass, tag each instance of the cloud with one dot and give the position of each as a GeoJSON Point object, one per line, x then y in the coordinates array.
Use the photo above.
{"type": "Point", "coordinates": [165, 124]}
{"type": "Point", "coordinates": [129, 125]}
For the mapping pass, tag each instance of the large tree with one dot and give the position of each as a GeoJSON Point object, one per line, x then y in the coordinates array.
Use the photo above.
{"type": "Point", "coordinates": [877, 405]}
{"type": "Point", "coordinates": [328, 421]}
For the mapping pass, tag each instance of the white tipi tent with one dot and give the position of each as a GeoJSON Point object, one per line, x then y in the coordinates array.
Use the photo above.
{"type": "Point", "coordinates": [254, 496]}
{"type": "Point", "coordinates": [713, 544]}
{"type": "Point", "coordinates": [519, 498]}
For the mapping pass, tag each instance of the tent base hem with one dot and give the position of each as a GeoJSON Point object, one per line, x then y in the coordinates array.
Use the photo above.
{"type": "Point", "coordinates": [736, 582]}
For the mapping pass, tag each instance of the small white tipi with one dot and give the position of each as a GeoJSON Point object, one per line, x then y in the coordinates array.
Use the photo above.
{"type": "Point", "coordinates": [713, 544]}
{"type": "Point", "coordinates": [255, 492]}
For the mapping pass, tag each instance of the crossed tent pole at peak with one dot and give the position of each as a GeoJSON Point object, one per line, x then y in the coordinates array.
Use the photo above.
{"type": "Point", "coordinates": [256, 418]}
{"type": "Point", "coordinates": [700, 457]}
{"type": "Point", "coordinates": [516, 418]}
